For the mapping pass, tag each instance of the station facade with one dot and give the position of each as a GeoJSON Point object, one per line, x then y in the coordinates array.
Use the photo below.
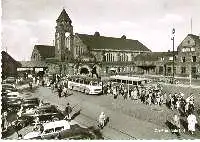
{"type": "Point", "coordinates": [75, 53]}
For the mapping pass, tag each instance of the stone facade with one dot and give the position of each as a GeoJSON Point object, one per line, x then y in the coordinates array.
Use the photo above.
{"type": "Point", "coordinates": [188, 59]}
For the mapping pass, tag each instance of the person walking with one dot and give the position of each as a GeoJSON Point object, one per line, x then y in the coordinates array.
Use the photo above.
{"type": "Point", "coordinates": [177, 124]}
{"type": "Point", "coordinates": [192, 121]}
{"type": "Point", "coordinates": [68, 110]}
{"type": "Point", "coordinates": [59, 90]}
{"type": "Point", "coordinates": [102, 119]}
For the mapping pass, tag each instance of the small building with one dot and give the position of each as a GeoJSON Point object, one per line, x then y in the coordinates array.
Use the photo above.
{"type": "Point", "coordinates": [9, 65]}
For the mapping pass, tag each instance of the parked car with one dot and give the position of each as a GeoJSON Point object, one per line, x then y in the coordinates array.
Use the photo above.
{"type": "Point", "coordinates": [7, 88]}
{"type": "Point", "coordinates": [44, 113]}
{"type": "Point", "coordinates": [11, 98]}
{"type": "Point", "coordinates": [10, 80]}
{"type": "Point", "coordinates": [49, 130]}
{"type": "Point", "coordinates": [31, 101]}
{"type": "Point", "coordinates": [77, 133]}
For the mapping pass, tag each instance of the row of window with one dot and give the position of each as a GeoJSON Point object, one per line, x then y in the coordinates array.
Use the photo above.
{"type": "Point", "coordinates": [183, 70]}
{"type": "Point", "coordinates": [79, 50]}
{"type": "Point", "coordinates": [194, 59]}
{"type": "Point", "coordinates": [110, 57]}
{"type": "Point", "coordinates": [188, 49]}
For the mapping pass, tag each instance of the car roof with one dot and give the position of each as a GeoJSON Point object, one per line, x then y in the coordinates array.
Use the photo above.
{"type": "Point", "coordinates": [10, 85]}
{"type": "Point", "coordinates": [59, 123]}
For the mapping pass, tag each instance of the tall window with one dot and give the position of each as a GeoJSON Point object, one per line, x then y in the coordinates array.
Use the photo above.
{"type": "Point", "coordinates": [183, 59]}
{"type": "Point", "coordinates": [194, 70]}
{"type": "Point", "coordinates": [194, 58]}
{"type": "Point", "coordinates": [169, 70]}
{"type": "Point", "coordinates": [183, 70]}
{"type": "Point", "coordinates": [160, 69]}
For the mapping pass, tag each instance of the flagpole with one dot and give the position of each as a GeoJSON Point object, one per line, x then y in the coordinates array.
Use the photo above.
{"type": "Point", "coordinates": [173, 35]}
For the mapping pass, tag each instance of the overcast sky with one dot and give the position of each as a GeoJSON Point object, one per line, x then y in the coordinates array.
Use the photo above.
{"type": "Point", "coordinates": [29, 22]}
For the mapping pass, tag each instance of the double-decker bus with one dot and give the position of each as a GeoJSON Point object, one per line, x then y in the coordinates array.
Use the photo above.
{"type": "Point", "coordinates": [85, 84]}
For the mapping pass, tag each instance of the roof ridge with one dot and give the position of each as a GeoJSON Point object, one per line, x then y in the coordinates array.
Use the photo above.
{"type": "Point", "coordinates": [108, 37]}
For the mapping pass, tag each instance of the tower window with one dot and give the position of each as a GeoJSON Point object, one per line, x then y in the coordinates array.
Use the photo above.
{"type": "Point", "coordinates": [183, 70]}
{"type": "Point", "coordinates": [183, 59]}
{"type": "Point", "coordinates": [194, 58]}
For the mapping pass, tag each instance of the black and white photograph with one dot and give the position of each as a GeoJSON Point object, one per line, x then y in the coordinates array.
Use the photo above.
{"type": "Point", "coordinates": [100, 70]}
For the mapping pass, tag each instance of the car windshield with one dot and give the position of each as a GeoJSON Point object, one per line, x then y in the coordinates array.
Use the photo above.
{"type": "Point", "coordinates": [12, 95]}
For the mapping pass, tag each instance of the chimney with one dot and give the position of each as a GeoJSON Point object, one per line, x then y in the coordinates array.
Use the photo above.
{"type": "Point", "coordinates": [96, 34]}
{"type": "Point", "coordinates": [123, 37]}
{"type": "Point", "coordinates": [168, 50]}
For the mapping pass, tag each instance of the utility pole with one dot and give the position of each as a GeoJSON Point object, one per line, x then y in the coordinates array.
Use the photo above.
{"type": "Point", "coordinates": [173, 35]}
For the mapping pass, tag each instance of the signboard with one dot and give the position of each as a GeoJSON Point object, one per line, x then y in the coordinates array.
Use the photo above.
{"type": "Point", "coordinates": [38, 69]}
{"type": "Point", "coordinates": [24, 69]}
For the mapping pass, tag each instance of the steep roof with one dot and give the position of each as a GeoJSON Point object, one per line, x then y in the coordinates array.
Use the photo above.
{"type": "Point", "coordinates": [102, 42]}
{"type": "Point", "coordinates": [195, 37]}
{"type": "Point", "coordinates": [45, 51]}
{"type": "Point", "coordinates": [153, 56]}
{"type": "Point", "coordinates": [7, 58]}
{"type": "Point", "coordinates": [63, 16]}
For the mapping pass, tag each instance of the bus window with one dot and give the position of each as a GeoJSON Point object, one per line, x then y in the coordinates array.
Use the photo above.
{"type": "Point", "coordinates": [82, 81]}
{"type": "Point", "coordinates": [129, 82]}
{"type": "Point", "coordinates": [123, 81]}
{"type": "Point", "coordinates": [118, 80]}
{"type": "Point", "coordinates": [134, 83]}
{"type": "Point", "coordinates": [77, 80]}
{"type": "Point", "coordinates": [139, 82]}
{"type": "Point", "coordinates": [86, 82]}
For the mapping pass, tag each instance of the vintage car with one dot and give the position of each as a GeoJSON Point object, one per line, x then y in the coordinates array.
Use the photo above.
{"type": "Point", "coordinates": [31, 101]}
{"type": "Point", "coordinates": [49, 130]}
{"type": "Point", "coordinates": [63, 130]}
{"type": "Point", "coordinates": [10, 80]}
{"type": "Point", "coordinates": [10, 97]}
{"type": "Point", "coordinates": [78, 133]}
{"type": "Point", "coordinates": [45, 113]}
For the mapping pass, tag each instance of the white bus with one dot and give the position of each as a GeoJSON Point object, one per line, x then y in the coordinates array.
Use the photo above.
{"type": "Point", "coordinates": [127, 80]}
{"type": "Point", "coordinates": [85, 84]}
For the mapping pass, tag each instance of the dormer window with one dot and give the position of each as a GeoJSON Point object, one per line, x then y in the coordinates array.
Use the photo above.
{"type": "Point", "coordinates": [192, 49]}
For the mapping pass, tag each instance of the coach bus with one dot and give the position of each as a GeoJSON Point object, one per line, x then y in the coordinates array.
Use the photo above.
{"type": "Point", "coordinates": [85, 84]}
{"type": "Point", "coordinates": [127, 80]}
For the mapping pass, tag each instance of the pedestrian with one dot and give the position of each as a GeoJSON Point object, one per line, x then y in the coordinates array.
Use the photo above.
{"type": "Point", "coordinates": [115, 92]}
{"type": "Point", "coordinates": [192, 121]}
{"type": "Point", "coordinates": [125, 94]}
{"type": "Point", "coordinates": [37, 121]}
{"type": "Point", "coordinates": [177, 124]}
{"type": "Point", "coordinates": [31, 85]}
{"type": "Point", "coordinates": [64, 91]}
{"type": "Point", "coordinates": [102, 119]}
{"type": "Point", "coordinates": [68, 110]}
{"type": "Point", "coordinates": [59, 91]}
{"type": "Point", "coordinates": [38, 81]}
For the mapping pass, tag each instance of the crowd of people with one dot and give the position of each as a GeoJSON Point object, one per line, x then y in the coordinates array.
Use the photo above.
{"type": "Point", "coordinates": [148, 95]}
{"type": "Point", "coordinates": [154, 95]}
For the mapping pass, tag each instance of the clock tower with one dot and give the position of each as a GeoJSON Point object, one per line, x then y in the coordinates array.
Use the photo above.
{"type": "Point", "coordinates": [64, 37]}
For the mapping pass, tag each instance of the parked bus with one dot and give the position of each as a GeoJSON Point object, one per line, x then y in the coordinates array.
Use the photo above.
{"type": "Point", "coordinates": [85, 84]}
{"type": "Point", "coordinates": [128, 80]}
